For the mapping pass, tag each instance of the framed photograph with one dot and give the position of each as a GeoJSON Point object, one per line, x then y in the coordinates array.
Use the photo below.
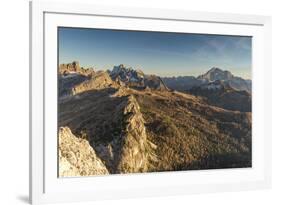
{"type": "Point", "coordinates": [129, 102]}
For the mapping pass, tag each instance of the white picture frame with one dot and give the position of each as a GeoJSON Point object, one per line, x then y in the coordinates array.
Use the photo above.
{"type": "Point", "coordinates": [46, 187]}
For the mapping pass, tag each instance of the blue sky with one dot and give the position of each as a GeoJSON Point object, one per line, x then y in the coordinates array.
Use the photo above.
{"type": "Point", "coordinates": [164, 54]}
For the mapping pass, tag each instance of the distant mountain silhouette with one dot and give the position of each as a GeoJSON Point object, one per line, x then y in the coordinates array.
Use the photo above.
{"type": "Point", "coordinates": [187, 82]}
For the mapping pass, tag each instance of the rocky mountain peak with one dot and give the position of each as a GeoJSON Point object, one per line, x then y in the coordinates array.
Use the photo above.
{"type": "Point", "coordinates": [74, 68]}
{"type": "Point", "coordinates": [117, 69]}
{"type": "Point", "coordinates": [126, 73]}
{"type": "Point", "coordinates": [100, 80]}
{"type": "Point", "coordinates": [216, 74]}
{"type": "Point", "coordinates": [215, 69]}
{"type": "Point", "coordinates": [136, 78]}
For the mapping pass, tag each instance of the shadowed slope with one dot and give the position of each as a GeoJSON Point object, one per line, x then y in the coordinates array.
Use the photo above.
{"type": "Point", "coordinates": [113, 124]}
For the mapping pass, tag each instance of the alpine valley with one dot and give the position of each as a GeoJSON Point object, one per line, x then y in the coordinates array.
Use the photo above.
{"type": "Point", "coordinates": [126, 121]}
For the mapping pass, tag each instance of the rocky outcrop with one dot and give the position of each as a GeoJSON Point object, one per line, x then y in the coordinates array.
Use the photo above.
{"type": "Point", "coordinates": [154, 82]}
{"type": "Point", "coordinates": [77, 157]}
{"type": "Point", "coordinates": [99, 80]}
{"type": "Point", "coordinates": [136, 151]}
{"type": "Point", "coordinates": [71, 75]}
{"type": "Point", "coordinates": [74, 67]}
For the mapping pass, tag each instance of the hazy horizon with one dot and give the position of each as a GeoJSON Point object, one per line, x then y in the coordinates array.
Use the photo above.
{"type": "Point", "coordinates": [160, 53]}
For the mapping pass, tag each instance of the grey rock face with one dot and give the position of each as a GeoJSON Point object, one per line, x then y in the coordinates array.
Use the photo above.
{"type": "Point", "coordinates": [77, 157]}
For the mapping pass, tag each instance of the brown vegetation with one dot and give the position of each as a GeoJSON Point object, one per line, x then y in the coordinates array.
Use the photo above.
{"type": "Point", "coordinates": [106, 126]}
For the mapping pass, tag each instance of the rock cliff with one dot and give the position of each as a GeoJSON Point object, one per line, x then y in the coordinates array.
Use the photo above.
{"type": "Point", "coordinates": [77, 157]}
{"type": "Point", "coordinates": [74, 67]}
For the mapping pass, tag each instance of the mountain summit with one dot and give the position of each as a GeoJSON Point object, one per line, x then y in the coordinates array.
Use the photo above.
{"type": "Point", "coordinates": [216, 74]}
{"type": "Point", "coordinates": [136, 78]}
{"type": "Point", "coordinates": [185, 83]}
{"type": "Point", "coordinates": [127, 74]}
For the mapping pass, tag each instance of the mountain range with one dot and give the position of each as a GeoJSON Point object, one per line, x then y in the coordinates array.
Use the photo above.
{"type": "Point", "coordinates": [72, 74]}
{"type": "Point", "coordinates": [127, 121]}
{"type": "Point", "coordinates": [136, 78]}
{"type": "Point", "coordinates": [214, 74]}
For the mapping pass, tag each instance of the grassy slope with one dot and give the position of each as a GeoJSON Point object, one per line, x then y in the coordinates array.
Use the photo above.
{"type": "Point", "coordinates": [188, 133]}
{"type": "Point", "coordinates": [192, 135]}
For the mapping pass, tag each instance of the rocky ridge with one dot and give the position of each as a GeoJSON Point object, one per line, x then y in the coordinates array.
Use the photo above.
{"type": "Point", "coordinates": [137, 151]}
{"type": "Point", "coordinates": [127, 150]}
{"type": "Point", "coordinates": [99, 80]}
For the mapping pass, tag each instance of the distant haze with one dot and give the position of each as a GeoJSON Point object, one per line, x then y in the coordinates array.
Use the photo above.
{"type": "Point", "coordinates": [160, 53]}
